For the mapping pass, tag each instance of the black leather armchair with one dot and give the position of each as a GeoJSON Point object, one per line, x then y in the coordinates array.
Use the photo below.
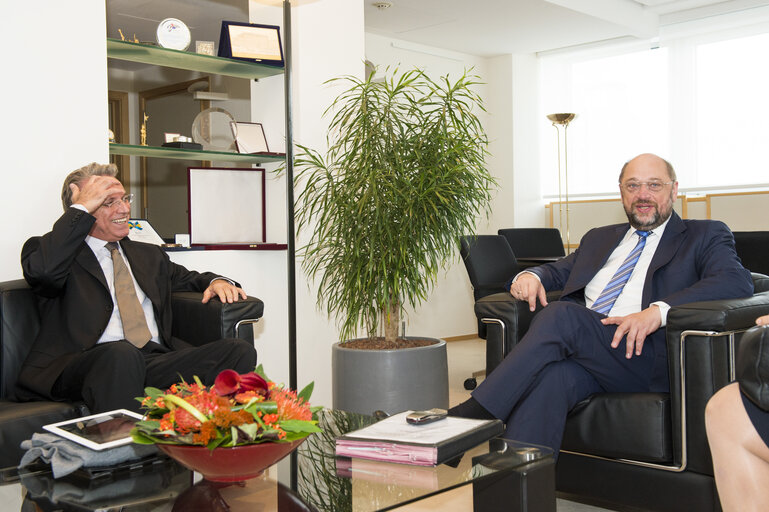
{"type": "Point", "coordinates": [752, 248]}
{"type": "Point", "coordinates": [20, 321]}
{"type": "Point", "coordinates": [644, 450]}
{"type": "Point", "coordinates": [534, 246]}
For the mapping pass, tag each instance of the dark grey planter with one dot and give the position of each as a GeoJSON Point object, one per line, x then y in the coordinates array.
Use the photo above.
{"type": "Point", "coordinates": [393, 381]}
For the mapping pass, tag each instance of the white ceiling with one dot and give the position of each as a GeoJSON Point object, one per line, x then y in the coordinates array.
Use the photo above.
{"type": "Point", "coordinates": [478, 27]}
{"type": "Point", "coordinates": [494, 27]}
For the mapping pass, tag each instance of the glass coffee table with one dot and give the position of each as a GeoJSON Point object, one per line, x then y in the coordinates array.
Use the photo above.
{"type": "Point", "coordinates": [500, 474]}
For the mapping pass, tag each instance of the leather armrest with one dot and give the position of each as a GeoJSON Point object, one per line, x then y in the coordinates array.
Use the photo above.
{"type": "Point", "coordinates": [719, 315]}
{"type": "Point", "coordinates": [760, 282]}
{"type": "Point", "coordinates": [199, 323]}
{"type": "Point", "coordinates": [18, 329]}
{"type": "Point", "coordinates": [706, 362]}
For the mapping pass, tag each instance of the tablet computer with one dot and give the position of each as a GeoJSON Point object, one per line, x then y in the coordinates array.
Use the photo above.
{"type": "Point", "coordinates": [98, 431]}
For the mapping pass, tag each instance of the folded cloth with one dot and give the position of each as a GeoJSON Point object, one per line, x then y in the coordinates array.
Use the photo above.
{"type": "Point", "coordinates": [66, 456]}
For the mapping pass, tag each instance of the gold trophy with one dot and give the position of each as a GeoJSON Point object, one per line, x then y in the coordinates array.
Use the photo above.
{"type": "Point", "coordinates": [143, 131]}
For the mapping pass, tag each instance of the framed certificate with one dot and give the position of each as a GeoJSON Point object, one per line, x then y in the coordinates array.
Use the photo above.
{"type": "Point", "coordinates": [249, 137]}
{"type": "Point", "coordinates": [252, 42]}
{"type": "Point", "coordinates": [226, 206]}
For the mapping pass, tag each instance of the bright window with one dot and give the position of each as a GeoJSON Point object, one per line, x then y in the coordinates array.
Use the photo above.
{"type": "Point", "coordinates": [732, 111]}
{"type": "Point", "coordinates": [702, 103]}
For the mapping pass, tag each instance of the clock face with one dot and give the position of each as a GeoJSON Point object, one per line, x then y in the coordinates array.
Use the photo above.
{"type": "Point", "coordinates": [173, 33]}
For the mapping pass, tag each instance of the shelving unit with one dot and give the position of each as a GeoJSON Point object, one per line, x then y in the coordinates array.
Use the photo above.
{"type": "Point", "coordinates": [158, 56]}
{"type": "Point", "coordinates": [153, 55]}
{"type": "Point", "coordinates": [193, 154]}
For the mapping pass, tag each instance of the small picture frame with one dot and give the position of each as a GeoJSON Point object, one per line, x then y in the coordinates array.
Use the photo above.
{"type": "Point", "coordinates": [249, 137]}
{"type": "Point", "coordinates": [204, 47]}
{"type": "Point", "coordinates": [251, 42]}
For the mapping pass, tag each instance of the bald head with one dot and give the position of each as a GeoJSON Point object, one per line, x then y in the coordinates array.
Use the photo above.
{"type": "Point", "coordinates": [649, 159]}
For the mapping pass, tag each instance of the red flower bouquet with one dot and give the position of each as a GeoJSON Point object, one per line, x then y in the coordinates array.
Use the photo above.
{"type": "Point", "coordinates": [237, 410]}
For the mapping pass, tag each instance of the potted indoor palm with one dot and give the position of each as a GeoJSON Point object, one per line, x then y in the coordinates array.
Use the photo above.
{"type": "Point", "coordinates": [403, 178]}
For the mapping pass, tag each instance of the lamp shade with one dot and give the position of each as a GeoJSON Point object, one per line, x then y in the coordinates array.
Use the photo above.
{"type": "Point", "coordinates": [563, 118]}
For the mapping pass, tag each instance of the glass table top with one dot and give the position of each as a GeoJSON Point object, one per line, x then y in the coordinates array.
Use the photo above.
{"type": "Point", "coordinates": [359, 485]}
{"type": "Point", "coordinates": [324, 482]}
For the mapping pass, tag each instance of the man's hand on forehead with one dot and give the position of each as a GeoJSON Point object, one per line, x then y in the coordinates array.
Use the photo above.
{"type": "Point", "coordinates": [92, 192]}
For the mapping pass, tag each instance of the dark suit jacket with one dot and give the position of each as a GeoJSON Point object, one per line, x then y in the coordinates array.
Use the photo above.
{"type": "Point", "coordinates": [75, 300]}
{"type": "Point", "coordinates": [695, 261]}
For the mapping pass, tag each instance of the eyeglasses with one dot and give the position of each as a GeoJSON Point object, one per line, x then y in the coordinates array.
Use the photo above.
{"type": "Point", "coordinates": [127, 199]}
{"type": "Point", "coordinates": [631, 187]}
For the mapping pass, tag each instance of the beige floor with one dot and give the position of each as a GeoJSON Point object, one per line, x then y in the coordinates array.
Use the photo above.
{"type": "Point", "coordinates": [465, 357]}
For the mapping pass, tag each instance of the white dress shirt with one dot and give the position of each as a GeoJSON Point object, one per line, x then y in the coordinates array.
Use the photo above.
{"type": "Point", "coordinates": [114, 329]}
{"type": "Point", "coordinates": [629, 301]}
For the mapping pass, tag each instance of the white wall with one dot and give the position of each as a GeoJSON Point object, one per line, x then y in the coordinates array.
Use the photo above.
{"type": "Point", "coordinates": [54, 111]}
{"type": "Point", "coordinates": [448, 310]}
{"type": "Point", "coordinates": [327, 41]}
{"type": "Point", "coordinates": [527, 190]}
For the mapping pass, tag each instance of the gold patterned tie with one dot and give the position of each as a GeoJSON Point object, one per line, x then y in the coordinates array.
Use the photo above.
{"type": "Point", "coordinates": [135, 327]}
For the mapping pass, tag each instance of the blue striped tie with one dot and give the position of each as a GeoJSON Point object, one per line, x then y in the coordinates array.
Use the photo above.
{"type": "Point", "coordinates": [609, 294]}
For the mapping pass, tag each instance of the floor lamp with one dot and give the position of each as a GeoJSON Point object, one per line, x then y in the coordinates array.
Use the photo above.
{"type": "Point", "coordinates": [562, 120]}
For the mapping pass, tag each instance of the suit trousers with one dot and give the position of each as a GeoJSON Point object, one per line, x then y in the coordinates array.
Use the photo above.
{"type": "Point", "coordinates": [565, 356]}
{"type": "Point", "coordinates": [112, 375]}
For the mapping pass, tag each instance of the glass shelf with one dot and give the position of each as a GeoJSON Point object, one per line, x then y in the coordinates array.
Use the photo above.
{"type": "Point", "coordinates": [136, 52]}
{"type": "Point", "coordinates": [193, 154]}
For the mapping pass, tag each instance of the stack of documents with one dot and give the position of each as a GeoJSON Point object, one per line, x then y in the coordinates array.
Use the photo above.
{"type": "Point", "coordinates": [395, 440]}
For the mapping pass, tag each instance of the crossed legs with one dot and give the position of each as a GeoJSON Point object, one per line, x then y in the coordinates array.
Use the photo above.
{"type": "Point", "coordinates": [740, 456]}
{"type": "Point", "coordinates": [564, 357]}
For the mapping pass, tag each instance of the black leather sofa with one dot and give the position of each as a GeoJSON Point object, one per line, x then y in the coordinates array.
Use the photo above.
{"type": "Point", "coordinates": [20, 321]}
{"type": "Point", "coordinates": [644, 451]}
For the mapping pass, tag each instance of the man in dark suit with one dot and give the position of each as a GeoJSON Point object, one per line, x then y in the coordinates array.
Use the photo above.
{"type": "Point", "coordinates": [82, 351]}
{"type": "Point", "coordinates": [606, 333]}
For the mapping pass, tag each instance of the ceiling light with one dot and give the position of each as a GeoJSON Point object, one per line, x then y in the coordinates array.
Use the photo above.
{"type": "Point", "coordinates": [382, 5]}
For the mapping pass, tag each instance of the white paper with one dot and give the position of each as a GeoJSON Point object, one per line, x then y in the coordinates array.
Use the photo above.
{"type": "Point", "coordinates": [396, 429]}
{"type": "Point", "coordinates": [139, 230]}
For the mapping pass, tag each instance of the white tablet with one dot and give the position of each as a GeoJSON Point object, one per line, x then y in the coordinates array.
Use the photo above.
{"type": "Point", "coordinates": [98, 431]}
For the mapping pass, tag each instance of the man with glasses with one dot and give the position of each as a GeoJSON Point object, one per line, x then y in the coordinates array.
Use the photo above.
{"type": "Point", "coordinates": [606, 332]}
{"type": "Point", "coordinates": [105, 305]}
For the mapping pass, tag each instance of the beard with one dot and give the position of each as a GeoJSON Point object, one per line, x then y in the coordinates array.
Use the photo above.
{"type": "Point", "coordinates": [652, 220]}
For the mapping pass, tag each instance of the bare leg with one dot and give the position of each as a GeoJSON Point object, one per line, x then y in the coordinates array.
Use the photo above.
{"type": "Point", "coordinates": [740, 457]}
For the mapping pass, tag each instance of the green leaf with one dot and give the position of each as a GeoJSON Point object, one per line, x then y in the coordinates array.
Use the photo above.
{"type": "Point", "coordinates": [141, 437]}
{"type": "Point", "coordinates": [259, 370]}
{"type": "Point", "coordinates": [306, 392]}
{"type": "Point", "coordinates": [299, 426]}
{"type": "Point", "coordinates": [250, 430]}
{"type": "Point", "coordinates": [264, 407]}
{"type": "Point", "coordinates": [147, 424]}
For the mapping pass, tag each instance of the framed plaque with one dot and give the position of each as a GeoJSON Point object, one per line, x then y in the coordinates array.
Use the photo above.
{"type": "Point", "coordinates": [204, 47]}
{"type": "Point", "coordinates": [173, 33]}
{"type": "Point", "coordinates": [251, 42]}
{"type": "Point", "coordinates": [249, 137]}
{"type": "Point", "coordinates": [226, 206]}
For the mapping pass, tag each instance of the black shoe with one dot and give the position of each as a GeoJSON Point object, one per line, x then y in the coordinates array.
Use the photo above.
{"type": "Point", "coordinates": [470, 408]}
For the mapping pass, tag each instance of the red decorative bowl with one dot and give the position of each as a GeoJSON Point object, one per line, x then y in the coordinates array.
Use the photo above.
{"type": "Point", "coordinates": [229, 464]}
